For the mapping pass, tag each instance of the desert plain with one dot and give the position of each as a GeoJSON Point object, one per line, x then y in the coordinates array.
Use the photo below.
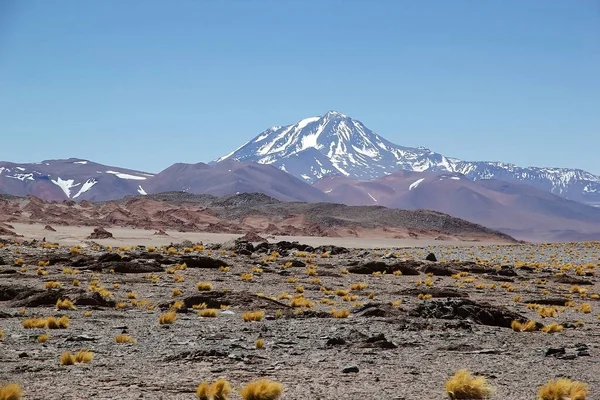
{"type": "Point", "coordinates": [353, 318]}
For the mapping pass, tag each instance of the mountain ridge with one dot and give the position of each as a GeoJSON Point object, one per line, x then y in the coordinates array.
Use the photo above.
{"type": "Point", "coordinates": [335, 144]}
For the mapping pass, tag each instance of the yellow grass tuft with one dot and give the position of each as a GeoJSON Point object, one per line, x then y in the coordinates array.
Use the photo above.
{"type": "Point", "coordinates": [340, 313]}
{"type": "Point", "coordinates": [200, 306]}
{"type": "Point", "coordinates": [546, 312]}
{"type": "Point", "coordinates": [43, 338]}
{"type": "Point", "coordinates": [341, 292]}
{"type": "Point", "coordinates": [123, 338]}
{"type": "Point", "coordinates": [220, 390]}
{"type": "Point", "coordinates": [262, 389]}
{"type": "Point", "coordinates": [176, 292]}
{"type": "Point", "coordinates": [246, 277]}
{"type": "Point", "coordinates": [552, 328]}
{"type": "Point", "coordinates": [208, 313]}
{"type": "Point", "coordinates": [67, 358]}
{"type": "Point", "coordinates": [423, 296]}
{"type": "Point", "coordinates": [177, 305]}
{"type": "Point", "coordinates": [12, 391]}
{"type": "Point", "coordinates": [1, 334]}
{"type": "Point", "coordinates": [463, 385]}
{"type": "Point", "coordinates": [529, 326]}
{"type": "Point", "coordinates": [358, 286]}
{"type": "Point", "coordinates": [33, 323]}
{"type": "Point", "coordinates": [87, 314]}
{"type": "Point", "coordinates": [586, 308]}
{"type": "Point", "coordinates": [253, 316]}
{"type": "Point", "coordinates": [131, 295]}
{"type": "Point", "coordinates": [65, 304]}
{"type": "Point", "coordinates": [52, 285]}
{"type": "Point", "coordinates": [84, 357]}
{"type": "Point", "coordinates": [300, 301]}
{"type": "Point", "coordinates": [60, 323]}
{"type": "Point", "coordinates": [260, 343]}
{"type": "Point", "coordinates": [204, 286]}
{"type": "Point", "coordinates": [563, 389]}
{"type": "Point", "coordinates": [167, 318]}
{"type": "Point", "coordinates": [203, 391]}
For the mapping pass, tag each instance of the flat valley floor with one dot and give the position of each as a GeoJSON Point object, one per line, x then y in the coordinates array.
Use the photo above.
{"type": "Point", "coordinates": [405, 334]}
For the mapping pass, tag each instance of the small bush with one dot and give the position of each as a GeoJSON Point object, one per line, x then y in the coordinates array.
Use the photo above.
{"type": "Point", "coordinates": [52, 285]}
{"type": "Point", "coordinates": [84, 357]}
{"type": "Point", "coordinates": [65, 304]}
{"type": "Point", "coordinates": [43, 338]}
{"type": "Point", "coordinates": [12, 391]}
{"type": "Point", "coordinates": [67, 358]}
{"type": "Point", "coordinates": [167, 318]}
{"type": "Point", "coordinates": [253, 316]}
{"type": "Point", "coordinates": [123, 338]}
{"type": "Point", "coordinates": [563, 389]}
{"type": "Point", "coordinates": [204, 286]}
{"type": "Point", "coordinates": [208, 313]}
{"type": "Point", "coordinates": [463, 385]}
{"type": "Point", "coordinates": [340, 313]}
{"type": "Point", "coordinates": [552, 328]}
{"type": "Point", "coordinates": [262, 389]}
{"type": "Point", "coordinates": [529, 326]}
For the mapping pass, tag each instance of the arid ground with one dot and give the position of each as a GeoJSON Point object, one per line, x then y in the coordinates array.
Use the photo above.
{"type": "Point", "coordinates": [411, 323]}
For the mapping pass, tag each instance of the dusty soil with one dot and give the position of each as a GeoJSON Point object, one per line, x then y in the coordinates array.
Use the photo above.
{"type": "Point", "coordinates": [389, 351]}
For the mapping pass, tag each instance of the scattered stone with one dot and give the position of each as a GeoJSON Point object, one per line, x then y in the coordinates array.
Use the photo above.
{"type": "Point", "coordinates": [100, 233]}
{"type": "Point", "coordinates": [430, 257]}
{"type": "Point", "coordinates": [125, 267]}
{"type": "Point", "coordinates": [480, 313]}
{"type": "Point", "coordinates": [160, 232]}
{"type": "Point", "coordinates": [252, 237]}
{"type": "Point", "coordinates": [93, 299]}
{"type": "Point", "coordinates": [406, 267]}
{"type": "Point", "coordinates": [49, 228]}
{"type": "Point", "coordinates": [335, 341]}
{"type": "Point", "coordinates": [44, 298]}
{"type": "Point", "coordinates": [350, 369]}
{"type": "Point", "coordinates": [203, 262]}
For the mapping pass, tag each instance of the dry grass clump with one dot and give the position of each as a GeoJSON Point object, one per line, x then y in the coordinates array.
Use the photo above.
{"type": "Point", "coordinates": [1, 334]}
{"type": "Point", "coordinates": [246, 277]}
{"type": "Point", "coordinates": [43, 338]}
{"type": "Point", "coordinates": [219, 390]}
{"type": "Point", "coordinates": [123, 338]}
{"type": "Point", "coordinates": [529, 326]}
{"type": "Point", "coordinates": [253, 316]}
{"type": "Point", "coordinates": [358, 286]}
{"type": "Point", "coordinates": [260, 343]}
{"type": "Point", "coordinates": [208, 313]}
{"type": "Point", "coordinates": [344, 313]}
{"type": "Point", "coordinates": [65, 304]}
{"type": "Point", "coordinates": [52, 285]}
{"type": "Point", "coordinates": [84, 357]}
{"type": "Point", "coordinates": [167, 318]}
{"type": "Point", "coordinates": [60, 323]}
{"type": "Point", "coordinates": [34, 323]}
{"type": "Point", "coordinates": [341, 292]}
{"type": "Point", "coordinates": [204, 286]}
{"type": "Point", "coordinates": [552, 328]}
{"type": "Point", "coordinates": [263, 389]}
{"type": "Point", "coordinates": [12, 391]}
{"type": "Point", "coordinates": [176, 292]}
{"type": "Point", "coordinates": [300, 301]}
{"type": "Point", "coordinates": [131, 295]}
{"type": "Point", "coordinates": [586, 308]}
{"type": "Point", "coordinates": [546, 312]}
{"type": "Point", "coordinates": [67, 358]}
{"type": "Point", "coordinates": [463, 385]}
{"type": "Point", "coordinates": [563, 389]}
{"type": "Point", "coordinates": [177, 305]}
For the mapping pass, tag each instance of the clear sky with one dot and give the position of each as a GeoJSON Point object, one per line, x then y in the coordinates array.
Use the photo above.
{"type": "Point", "coordinates": [144, 84]}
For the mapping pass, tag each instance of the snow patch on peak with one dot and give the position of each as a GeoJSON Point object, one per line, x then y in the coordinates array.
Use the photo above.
{"type": "Point", "coordinates": [415, 184]}
{"type": "Point", "coordinates": [80, 162]}
{"type": "Point", "coordinates": [141, 190]}
{"type": "Point", "coordinates": [126, 176]}
{"type": "Point", "coordinates": [85, 187]}
{"type": "Point", "coordinates": [65, 185]}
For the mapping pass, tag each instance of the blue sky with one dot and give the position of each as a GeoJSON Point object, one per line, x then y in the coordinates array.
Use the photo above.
{"type": "Point", "coordinates": [144, 84]}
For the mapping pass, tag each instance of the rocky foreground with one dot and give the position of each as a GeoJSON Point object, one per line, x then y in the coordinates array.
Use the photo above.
{"type": "Point", "coordinates": [337, 323]}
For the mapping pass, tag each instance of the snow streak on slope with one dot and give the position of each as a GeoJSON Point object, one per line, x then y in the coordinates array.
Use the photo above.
{"type": "Point", "coordinates": [334, 144]}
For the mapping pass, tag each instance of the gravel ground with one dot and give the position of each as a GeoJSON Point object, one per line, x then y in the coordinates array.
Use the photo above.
{"type": "Point", "coordinates": [307, 351]}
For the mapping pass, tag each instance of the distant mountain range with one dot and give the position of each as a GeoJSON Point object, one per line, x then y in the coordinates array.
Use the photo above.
{"type": "Point", "coordinates": [334, 158]}
{"type": "Point", "coordinates": [335, 144]}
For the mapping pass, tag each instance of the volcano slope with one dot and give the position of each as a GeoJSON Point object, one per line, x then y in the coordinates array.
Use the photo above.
{"type": "Point", "coordinates": [407, 325]}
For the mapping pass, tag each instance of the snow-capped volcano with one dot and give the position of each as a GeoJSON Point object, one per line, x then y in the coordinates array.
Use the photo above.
{"type": "Point", "coordinates": [335, 144]}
